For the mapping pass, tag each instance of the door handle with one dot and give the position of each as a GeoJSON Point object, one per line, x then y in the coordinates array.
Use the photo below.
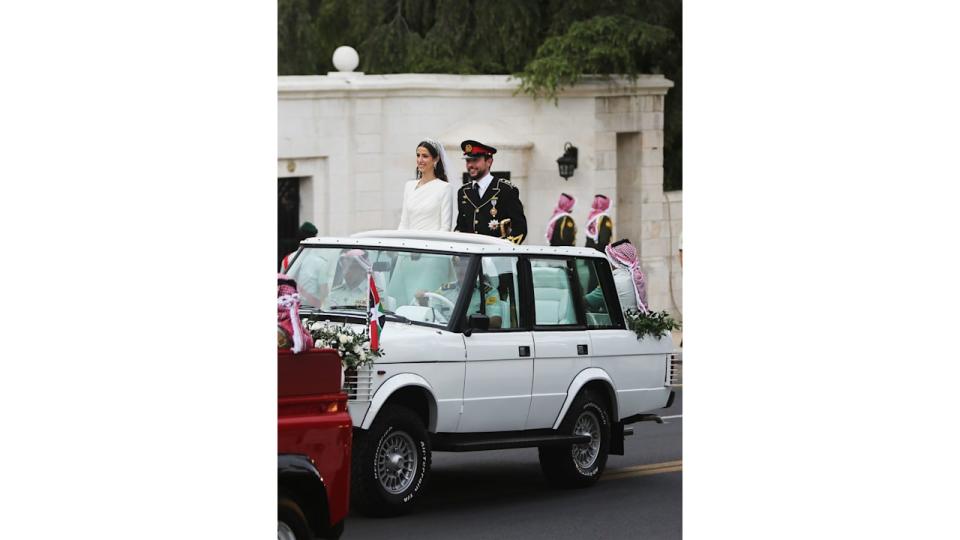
{"type": "Point", "coordinates": [524, 350]}
{"type": "Point", "coordinates": [581, 349]}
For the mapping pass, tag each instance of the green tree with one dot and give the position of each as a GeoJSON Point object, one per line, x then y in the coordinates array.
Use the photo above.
{"type": "Point", "coordinates": [547, 44]}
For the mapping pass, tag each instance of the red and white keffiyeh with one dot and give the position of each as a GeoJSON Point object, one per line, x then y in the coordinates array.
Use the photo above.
{"type": "Point", "coordinates": [625, 254]}
{"type": "Point", "coordinates": [288, 313]}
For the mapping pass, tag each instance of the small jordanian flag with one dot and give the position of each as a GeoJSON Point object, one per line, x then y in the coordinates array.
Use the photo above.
{"type": "Point", "coordinates": [375, 317]}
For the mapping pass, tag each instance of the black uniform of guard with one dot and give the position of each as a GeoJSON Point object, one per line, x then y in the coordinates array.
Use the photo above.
{"type": "Point", "coordinates": [604, 233]}
{"type": "Point", "coordinates": [564, 232]}
{"type": "Point", "coordinates": [499, 212]}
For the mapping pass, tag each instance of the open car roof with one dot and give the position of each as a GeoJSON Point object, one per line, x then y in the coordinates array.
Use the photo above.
{"type": "Point", "coordinates": [455, 242]}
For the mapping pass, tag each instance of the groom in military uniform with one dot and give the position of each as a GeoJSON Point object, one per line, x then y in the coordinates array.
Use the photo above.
{"type": "Point", "coordinates": [488, 205]}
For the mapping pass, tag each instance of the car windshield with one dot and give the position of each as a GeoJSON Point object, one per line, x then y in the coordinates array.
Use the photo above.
{"type": "Point", "coordinates": [420, 287]}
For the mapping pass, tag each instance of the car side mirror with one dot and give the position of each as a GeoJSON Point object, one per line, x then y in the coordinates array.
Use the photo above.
{"type": "Point", "coordinates": [476, 321]}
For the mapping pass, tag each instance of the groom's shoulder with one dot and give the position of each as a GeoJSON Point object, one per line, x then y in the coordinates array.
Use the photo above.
{"type": "Point", "coordinates": [503, 183]}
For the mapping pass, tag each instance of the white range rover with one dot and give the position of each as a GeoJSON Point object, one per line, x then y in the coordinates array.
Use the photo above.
{"type": "Point", "coordinates": [487, 345]}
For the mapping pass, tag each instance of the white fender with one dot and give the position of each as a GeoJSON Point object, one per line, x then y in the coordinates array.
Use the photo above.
{"type": "Point", "coordinates": [582, 378]}
{"type": "Point", "coordinates": [390, 386]}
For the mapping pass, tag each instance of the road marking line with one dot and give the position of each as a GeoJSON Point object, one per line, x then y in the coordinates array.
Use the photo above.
{"type": "Point", "coordinates": [642, 473]}
{"type": "Point", "coordinates": [643, 470]}
{"type": "Point", "coordinates": [646, 467]}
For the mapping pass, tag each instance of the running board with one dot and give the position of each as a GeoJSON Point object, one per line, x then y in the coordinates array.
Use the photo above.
{"type": "Point", "coordinates": [472, 442]}
{"type": "Point", "coordinates": [642, 418]}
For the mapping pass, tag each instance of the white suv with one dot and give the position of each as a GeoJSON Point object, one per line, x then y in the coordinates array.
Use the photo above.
{"type": "Point", "coordinates": [487, 345]}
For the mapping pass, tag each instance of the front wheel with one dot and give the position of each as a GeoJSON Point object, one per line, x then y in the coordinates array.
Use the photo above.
{"type": "Point", "coordinates": [391, 463]}
{"type": "Point", "coordinates": [291, 523]}
{"type": "Point", "coordinates": [579, 465]}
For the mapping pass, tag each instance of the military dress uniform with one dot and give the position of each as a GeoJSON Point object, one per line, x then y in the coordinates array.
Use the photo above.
{"type": "Point", "coordinates": [498, 212]}
{"type": "Point", "coordinates": [604, 234]}
{"type": "Point", "coordinates": [451, 291]}
{"type": "Point", "coordinates": [344, 295]}
{"type": "Point", "coordinates": [564, 232]}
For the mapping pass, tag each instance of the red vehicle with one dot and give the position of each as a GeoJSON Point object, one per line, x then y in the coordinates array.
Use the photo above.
{"type": "Point", "coordinates": [314, 444]}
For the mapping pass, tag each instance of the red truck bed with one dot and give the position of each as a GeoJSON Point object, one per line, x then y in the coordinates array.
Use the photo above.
{"type": "Point", "coordinates": [312, 420]}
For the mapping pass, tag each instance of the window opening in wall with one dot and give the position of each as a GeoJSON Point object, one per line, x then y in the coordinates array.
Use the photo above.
{"type": "Point", "coordinates": [288, 216]}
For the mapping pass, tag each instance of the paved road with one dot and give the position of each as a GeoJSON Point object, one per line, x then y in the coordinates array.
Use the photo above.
{"type": "Point", "coordinates": [501, 494]}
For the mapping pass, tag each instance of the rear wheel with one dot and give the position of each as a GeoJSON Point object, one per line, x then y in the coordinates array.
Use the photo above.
{"type": "Point", "coordinates": [391, 463]}
{"type": "Point", "coordinates": [580, 465]}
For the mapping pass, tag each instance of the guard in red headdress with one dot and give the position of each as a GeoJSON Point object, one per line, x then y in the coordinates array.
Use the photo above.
{"type": "Point", "coordinates": [599, 224]}
{"type": "Point", "coordinates": [561, 229]}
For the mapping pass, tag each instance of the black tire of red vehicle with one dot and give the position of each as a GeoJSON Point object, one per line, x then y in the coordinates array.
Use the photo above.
{"type": "Point", "coordinates": [579, 465]}
{"type": "Point", "coordinates": [396, 427]}
{"type": "Point", "coordinates": [289, 513]}
{"type": "Point", "coordinates": [335, 532]}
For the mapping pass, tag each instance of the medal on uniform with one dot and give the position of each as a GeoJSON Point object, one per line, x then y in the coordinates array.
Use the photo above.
{"type": "Point", "coordinates": [493, 210]}
{"type": "Point", "coordinates": [493, 224]}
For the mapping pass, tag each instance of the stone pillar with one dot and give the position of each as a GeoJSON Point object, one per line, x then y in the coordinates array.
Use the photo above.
{"type": "Point", "coordinates": [640, 205]}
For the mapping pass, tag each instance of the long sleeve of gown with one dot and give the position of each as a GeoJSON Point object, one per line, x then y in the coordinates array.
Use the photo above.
{"type": "Point", "coordinates": [446, 209]}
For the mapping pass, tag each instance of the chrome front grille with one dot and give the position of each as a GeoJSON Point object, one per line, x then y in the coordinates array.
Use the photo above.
{"type": "Point", "coordinates": [358, 384]}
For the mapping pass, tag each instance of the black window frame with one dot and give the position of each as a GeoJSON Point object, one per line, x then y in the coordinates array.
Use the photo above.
{"type": "Point", "coordinates": [610, 296]}
{"type": "Point", "coordinates": [523, 301]}
{"type": "Point", "coordinates": [574, 289]}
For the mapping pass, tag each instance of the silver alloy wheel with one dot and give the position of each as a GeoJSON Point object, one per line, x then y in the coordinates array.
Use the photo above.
{"type": "Point", "coordinates": [396, 462]}
{"type": "Point", "coordinates": [284, 532]}
{"type": "Point", "coordinates": [585, 455]}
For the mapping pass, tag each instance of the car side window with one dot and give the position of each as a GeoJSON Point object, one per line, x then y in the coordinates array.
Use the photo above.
{"type": "Point", "coordinates": [552, 292]}
{"type": "Point", "coordinates": [495, 293]}
{"type": "Point", "coordinates": [594, 304]}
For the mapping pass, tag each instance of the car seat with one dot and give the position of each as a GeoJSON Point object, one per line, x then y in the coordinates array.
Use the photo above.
{"type": "Point", "coordinates": [552, 296]}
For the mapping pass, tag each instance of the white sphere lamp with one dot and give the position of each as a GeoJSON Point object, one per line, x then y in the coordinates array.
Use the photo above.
{"type": "Point", "coordinates": [346, 59]}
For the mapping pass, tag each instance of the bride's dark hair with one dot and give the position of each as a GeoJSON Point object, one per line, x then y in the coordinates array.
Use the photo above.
{"type": "Point", "coordinates": [438, 168]}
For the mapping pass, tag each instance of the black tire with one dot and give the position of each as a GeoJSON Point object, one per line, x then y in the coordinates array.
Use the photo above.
{"type": "Point", "coordinates": [290, 515]}
{"type": "Point", "coordinates": [335, 532]}
{"type": "Point", "coordinates": [575, 465]}
{"type": "Point", "coordinates": [399, 434]}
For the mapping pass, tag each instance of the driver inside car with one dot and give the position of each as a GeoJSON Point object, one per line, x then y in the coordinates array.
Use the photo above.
{"type": "Point", "coordinates": [352, 290]}
{"type": "Point", "coordinates": [449, 292]}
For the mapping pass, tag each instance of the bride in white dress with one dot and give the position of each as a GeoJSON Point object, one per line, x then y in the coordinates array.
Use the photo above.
{"type": "Point", "coordinates": [427, 201]}
{"type": "Point", "coordinates": [428, 205]}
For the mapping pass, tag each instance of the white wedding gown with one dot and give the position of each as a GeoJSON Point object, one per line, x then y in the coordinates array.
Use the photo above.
{"type": "Point", "coordinates": [426, 208]}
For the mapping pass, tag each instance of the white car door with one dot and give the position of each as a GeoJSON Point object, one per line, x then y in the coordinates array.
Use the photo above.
{"type": "Point", "coordinates": [561, 342]}
{"type": "Point", "coordinates": [499, 362]}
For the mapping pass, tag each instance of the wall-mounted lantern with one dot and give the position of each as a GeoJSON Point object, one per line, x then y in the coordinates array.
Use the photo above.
{"type": "Point", "coordinates": [568, 161]}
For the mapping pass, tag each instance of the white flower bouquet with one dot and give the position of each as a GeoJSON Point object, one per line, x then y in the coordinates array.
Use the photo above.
{"type": "Point", "coordinates": [353, 345]}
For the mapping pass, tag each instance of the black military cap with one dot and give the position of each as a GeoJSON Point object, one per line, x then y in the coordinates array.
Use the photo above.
{"type": "Point", "coordinates": [472, 149]}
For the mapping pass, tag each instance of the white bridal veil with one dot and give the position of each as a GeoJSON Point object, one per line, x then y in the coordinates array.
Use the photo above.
{"type": "Point", "coordinates": [454, 186]}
